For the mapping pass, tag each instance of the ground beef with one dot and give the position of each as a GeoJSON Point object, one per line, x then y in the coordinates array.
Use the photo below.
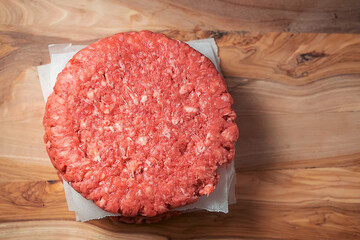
{"type": "Point", "coordinates": [139, 123]}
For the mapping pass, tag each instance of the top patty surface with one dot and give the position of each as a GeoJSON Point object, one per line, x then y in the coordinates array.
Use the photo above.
{"type": "Point", "coordinates": [139, 123]}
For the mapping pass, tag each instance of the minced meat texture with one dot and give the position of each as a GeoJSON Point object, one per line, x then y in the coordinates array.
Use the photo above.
{"type": "Point", "coordinates": [139, 123]}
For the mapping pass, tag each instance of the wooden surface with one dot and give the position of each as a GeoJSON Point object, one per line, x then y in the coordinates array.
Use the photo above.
{"type": "Point", "coordinates": [297, 97]}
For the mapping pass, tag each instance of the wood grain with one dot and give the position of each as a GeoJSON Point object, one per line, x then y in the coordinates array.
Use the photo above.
{"type": "Point", "coordinates": [87, 19]}
{"type": "Point", "coordinates": [33, 200]}
{"type": "Point", "coordinates": [24, 167]}
{"type": "Point", "coordinates": [296, 96]}
{"type": "Point", "coordinates": [319, 203]}
{"type": "Point", "coordinates": [65, 230]}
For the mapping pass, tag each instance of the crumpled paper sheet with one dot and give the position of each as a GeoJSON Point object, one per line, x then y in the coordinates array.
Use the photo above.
{"type": "Point", "coordinates": [85, 210]}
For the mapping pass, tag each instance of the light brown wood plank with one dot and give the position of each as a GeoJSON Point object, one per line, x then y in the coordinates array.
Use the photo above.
{"type": "Point", "coordinates": [64, 230]}
{"type": "Point", "coordinates": [322, 202]}
{"type": "Point", "coordinates": [295, 59]}
{"type": "Point", "coordinates": [328, 95]}
{"type": "Point", "coordinates": [301, 186]}
{"type": "Point", "coordinates": [21, 117]}
{"type": "Point", "coordinates": [247, 220]}
{"type": "Point", "coordinates": [33, 200]}
{"type": "Point", "coordinates": [87, 19]}
{"type": "Point", "coordinates": [276, 141]}
{"type": "Point", "coordinates": [17, 169]}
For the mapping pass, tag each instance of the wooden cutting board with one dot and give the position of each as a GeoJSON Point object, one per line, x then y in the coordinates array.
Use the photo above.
{"type": "Point", "coordinates": [297, 99]}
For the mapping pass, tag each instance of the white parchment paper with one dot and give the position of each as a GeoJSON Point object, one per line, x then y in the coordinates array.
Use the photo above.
{"type": "Point", "coordinates": [85, 210]}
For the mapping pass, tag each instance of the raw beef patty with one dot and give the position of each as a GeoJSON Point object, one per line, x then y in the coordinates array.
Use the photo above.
{"type": "Point", "coordinates": [139, 123]}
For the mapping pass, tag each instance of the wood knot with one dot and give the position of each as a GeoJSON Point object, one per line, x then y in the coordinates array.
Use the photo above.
{"type": "Point", "coordinates": [33, 195]}
{"type": "Point", "coordinates": [52, 181]}
{"type": "Point", "coordinates": [306, 57]}
{"type": "Point", "coordinates": [136, 18]}
{"type": "Point", "coordinates": [217, 34]}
